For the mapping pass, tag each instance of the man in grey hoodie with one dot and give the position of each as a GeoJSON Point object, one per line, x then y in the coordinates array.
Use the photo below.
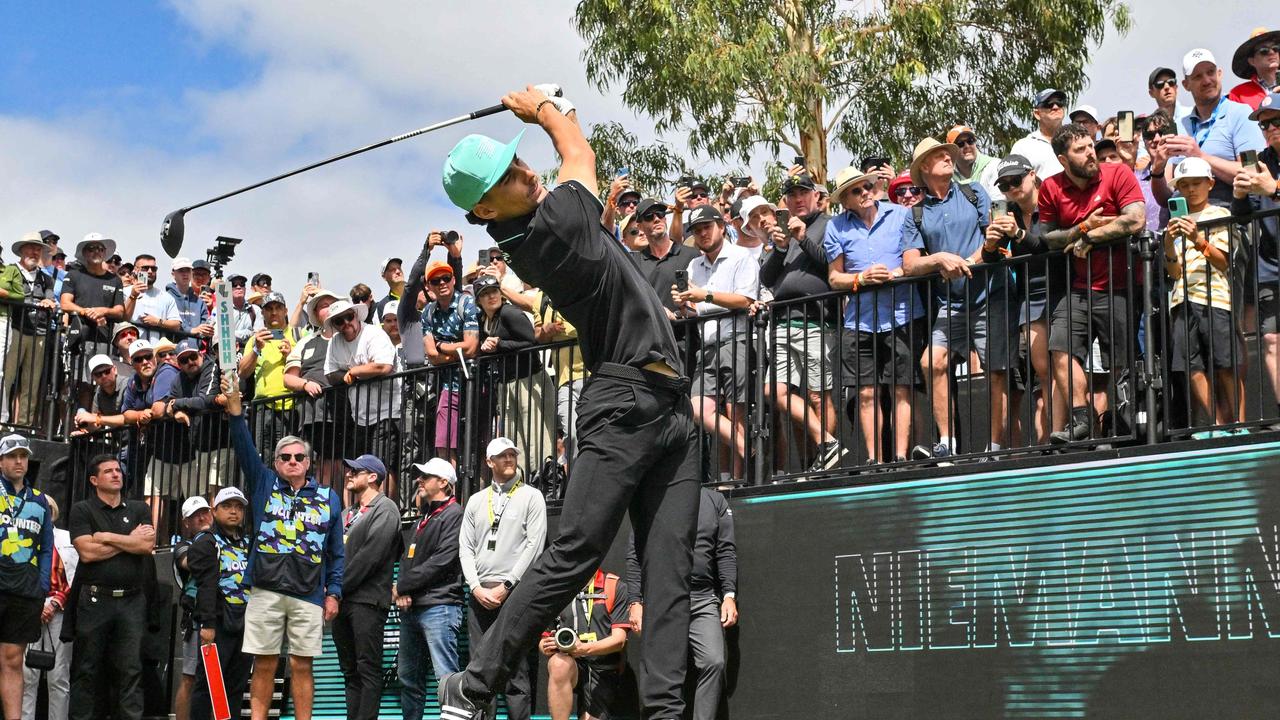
{"type": "Point", "coordinates": [504, 528]}
{"type": "Point", "coordinates": [371, 528]}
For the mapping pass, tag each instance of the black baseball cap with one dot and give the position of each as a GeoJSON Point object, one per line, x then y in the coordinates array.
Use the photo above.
{"type": "Point", "coordinates": [628, 191]}
{"type": "Point", "coordinates": [1104, 144]}
{"type": "Point", "coordinates": [648, 204]}
{"type": "Point", "coordinates": [237, 279]}
{"type": "Point", "coordinates": [796, 182]}
{"type": "Point", "coordinates": [260, 278]}
{"type": "Point", "coordinates": [703, 214]}
{"type": "Point", "coordinates": [1013, 166]}
{"type": "Point", "coordinates": [1158, 72]}
{"type": "Point", "coordinates": [699, 184]}
{"type": "Point", "coordinates": [201, 265]}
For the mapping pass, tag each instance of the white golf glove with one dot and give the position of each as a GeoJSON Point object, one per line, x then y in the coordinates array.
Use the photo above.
{"type": "Point", "coordinates": [553, 91]}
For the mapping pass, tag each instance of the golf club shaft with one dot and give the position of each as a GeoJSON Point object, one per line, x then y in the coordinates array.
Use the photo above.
{"type": "Point", "coordinates": [414, 133]}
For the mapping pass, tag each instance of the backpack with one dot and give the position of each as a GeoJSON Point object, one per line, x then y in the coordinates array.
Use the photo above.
{"type": "Point", "coordinates": [430, 312]}
{"type": "Point", "coordinates": [917, 210]}
{"type": "Point", "coordinates": [550, 479]}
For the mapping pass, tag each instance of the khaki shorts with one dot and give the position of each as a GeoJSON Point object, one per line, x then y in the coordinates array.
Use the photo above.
{"type": "Point", "coordinates": [172, 480]}
{"type": "Point", "coordinates": [270, 617]}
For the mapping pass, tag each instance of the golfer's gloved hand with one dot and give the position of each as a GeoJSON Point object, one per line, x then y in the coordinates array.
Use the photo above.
{"type": "Point", "coordinates": [553, 91]}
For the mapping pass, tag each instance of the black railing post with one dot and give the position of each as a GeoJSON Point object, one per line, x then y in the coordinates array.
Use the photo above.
{"type": "Point", "coordinates": [1149, 376]}
{"type": "Point", "coordinates": [760, 432]}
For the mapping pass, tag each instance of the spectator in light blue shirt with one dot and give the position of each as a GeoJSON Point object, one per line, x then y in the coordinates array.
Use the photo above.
{"type": "Point", "coordinates": [945, 234]}
{"type": "Point", "coordinates": [880, 341]}
{"type": "Point", "coordinates": [1217, 129]}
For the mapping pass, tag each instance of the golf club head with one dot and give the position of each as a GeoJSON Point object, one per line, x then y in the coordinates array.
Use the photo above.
{"type": "Point", "coordinates": [172, 232]}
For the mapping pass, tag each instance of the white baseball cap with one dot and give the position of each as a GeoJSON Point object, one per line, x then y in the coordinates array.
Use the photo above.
{"type": "Point", "coordinates": [193, 505]}
{"type": "Point", "coordinates": [1089, 110]}
{"type": "Point", "coordinates": [14, 442]}
{"type": "Point", "coordinates": [138, 346]}
{"type": "Point", "coordinates": [1194, 58]}
{"type": "Point", "coordinates": [180, 263]}
{"type": "Point", "coordinates": [438, 467]}
{"type": "Point", "coordinates": [99, 361]}
{"type": "Point", "coordinates": [499, 445]}
{"type": "Point", "coordinates": [229, 493]}
{"type": "Point", "coordinates": [390, 308]}
{"type": "Point", "coordinates": [1192, 167]}
{"type": "Point", "coordinates": [383, 267]}
{"type": "Point", "coordinates": [751, 204]}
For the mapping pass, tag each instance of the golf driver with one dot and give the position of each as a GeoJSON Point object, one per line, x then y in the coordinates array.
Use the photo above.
{"type": "Point", "coordinates": [173, 230]}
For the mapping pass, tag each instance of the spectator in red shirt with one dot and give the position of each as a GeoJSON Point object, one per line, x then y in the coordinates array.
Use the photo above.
{"type": "Point", "coordinates": [1257, 61]}
{"type": "Point", "coordinates": [1085, 206]}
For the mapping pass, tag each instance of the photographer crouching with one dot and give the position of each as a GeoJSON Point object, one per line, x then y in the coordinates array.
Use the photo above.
{"type": "Point", "coordinates": [584, 651]}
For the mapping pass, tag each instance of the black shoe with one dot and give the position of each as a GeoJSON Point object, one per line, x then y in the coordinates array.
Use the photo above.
{"type": "Point", "coordinates": [829, 454]}
{"type": "Point", "coordinates": [920, 452]}
{"type": "Point", "coordinates": [454, 705]}
{"type": "Point", "coordinates": [1077, 430]}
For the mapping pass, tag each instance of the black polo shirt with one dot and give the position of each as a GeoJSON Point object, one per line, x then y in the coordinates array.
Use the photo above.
{"type": "Point", "coordinates": [563, 249]}
{"type": "Point", "coordinates": [90, 516]}
{"type": "Point", "coordinates": [94, 291]}
{"type": "Point", "coordinates": [660, 273]}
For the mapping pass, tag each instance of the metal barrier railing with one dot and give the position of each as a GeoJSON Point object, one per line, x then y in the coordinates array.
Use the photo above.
{"type": "Point", "coordinates": [917, 370]}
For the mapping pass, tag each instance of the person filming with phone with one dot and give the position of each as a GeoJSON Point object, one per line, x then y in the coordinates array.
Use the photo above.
{"type": "Point", "coordinates": [1255, 189]}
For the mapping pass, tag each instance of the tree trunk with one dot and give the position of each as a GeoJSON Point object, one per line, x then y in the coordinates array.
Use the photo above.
{"type": "Point", "coordinates": [812, 131]}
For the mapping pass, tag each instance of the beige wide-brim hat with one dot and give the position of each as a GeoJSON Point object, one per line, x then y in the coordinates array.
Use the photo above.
{"type": "Point", "coordinates": [847, 178]}
{"type": "Point", "coordinates": [923, 148]}
{"type": "Point", "coordinates": [312, 314]}
{"type": "Point", "coordinates": [1240, 59]}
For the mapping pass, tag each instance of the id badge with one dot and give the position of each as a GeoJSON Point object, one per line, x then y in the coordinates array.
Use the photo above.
{"type": "Point", "coordinates": [411, 549]}
{"type": "Point", "coordinates": [493, 541]}
{"type": "Point", "coordinates": [13, 535]}
{"type": "Point", "coordinates": [587, 637]}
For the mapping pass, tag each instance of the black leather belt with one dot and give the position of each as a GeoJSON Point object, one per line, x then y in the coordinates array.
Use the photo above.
{"type": "Point", "coordinates": [98, 591]}
{"type": "Point", "coordinates": [642, 376]}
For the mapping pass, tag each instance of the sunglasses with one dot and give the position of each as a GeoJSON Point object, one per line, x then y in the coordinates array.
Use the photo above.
{"type": "Point", "coordinates": [865, 187]}
{"type": "Point", "coordinates": [632, 233]}
{"type": "Point", "coordinates": [344, 319]}
{"type": "Point", "coordinates": [441, 280]}
{"type": "Point", "coordinates": [700, 195]}
{"type": "Point", "coordinates": [101, 372]}
{"type": "Point", "coordinates": [164, 355]}
{"type": "Point", "coordinates": [295, 457]}
{"type": "Point", "coordinates": [1052, 105]}
{"type": "Point", "coordinates": [1266, 49]}
{"type": "Point", "coordinates": [1269, 123]}
{"type": "Point", "coordinates": [95, 248]}
{"type": "Point", "coordinates": [628, 203]}
{"type": "Point", "coordinates": [1150, 135]}
{"type": "Point", "coordinates": [189, 359]}
{"type": "Point", "coordinates": [907, 191]}
{"type": "Point", "coordinates": [650, 217]}
{"type": "Point", "coordinates": [1007, 184]}
{"type": "Point", "coordinates": [1163, 84]}
{"type": "Point", "coordinates": [358, 300]}
{"type": "Point", "coordinates": [148, 358]}
{"type": "Point", "coordinates": [145, 268]}
{"type": "Point", "coordinates": [964, 140]}
{"type": "Point", "coordinates": [235, 284]}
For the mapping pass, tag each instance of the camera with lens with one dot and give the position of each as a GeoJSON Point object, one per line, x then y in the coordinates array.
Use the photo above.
{"type": "Point", "coordinates": [222, 252]}
{"type": "Point", "coordinates": [565, 638]}
{"type": "Point", "coordinates": [449, 237]}
{"type": "Point", "coordinates": [686, 181]}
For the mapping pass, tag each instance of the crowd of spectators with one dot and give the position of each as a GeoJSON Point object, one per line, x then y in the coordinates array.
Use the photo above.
{"type": "Point", "coordinates": [1039, 292]}
{"type": "Point", "coordinates": [1018, 267]}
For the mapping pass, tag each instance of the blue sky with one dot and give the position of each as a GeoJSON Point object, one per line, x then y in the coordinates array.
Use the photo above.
{"type": "Point", "coordinates": [114, 113]}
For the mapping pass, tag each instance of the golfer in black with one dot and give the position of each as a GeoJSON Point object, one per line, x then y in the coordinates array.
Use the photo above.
{"type": "Point", "coordinates": [634, 425]}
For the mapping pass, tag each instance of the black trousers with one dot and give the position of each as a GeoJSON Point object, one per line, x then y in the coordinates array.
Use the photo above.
{"type": "Point", "coordinates": [519, 687]}
{"type": "Point", "coordinates": [236, 669]}
{"type": "Point", "coordinates": [108, 644]}
{"type": "Point", "coordinates": [637, 451]}
{"type": "Point", "coordinates": [357, 636]}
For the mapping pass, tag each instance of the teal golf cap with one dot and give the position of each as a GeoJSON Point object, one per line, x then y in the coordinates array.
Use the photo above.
{"type": "Point", "coordinates": [474, 166]}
